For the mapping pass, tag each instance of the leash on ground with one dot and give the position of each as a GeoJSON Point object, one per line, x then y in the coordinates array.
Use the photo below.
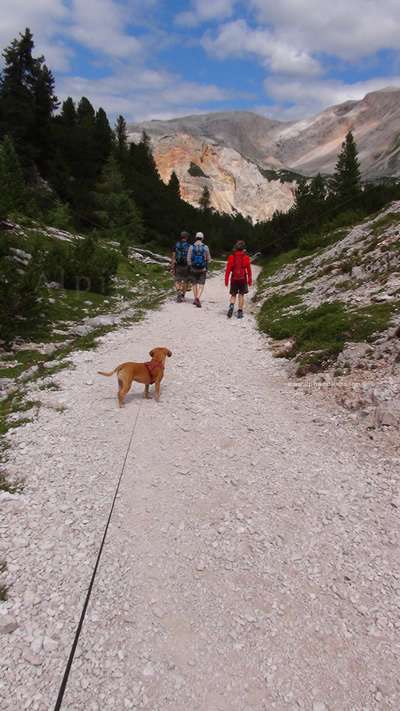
{"type": "Point", "coordinates": [79, 628]}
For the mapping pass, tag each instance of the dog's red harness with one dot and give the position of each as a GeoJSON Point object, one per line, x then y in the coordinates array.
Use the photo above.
{"type": "Point", "coordinates": [150, 367]}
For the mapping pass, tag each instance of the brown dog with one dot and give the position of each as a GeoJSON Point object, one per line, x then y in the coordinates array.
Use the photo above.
{"type": "Point", "coordinates": [147, 373]}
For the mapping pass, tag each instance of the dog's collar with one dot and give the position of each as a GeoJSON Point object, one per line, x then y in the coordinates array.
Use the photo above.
{"type": "Point", "coordinates": [150, 367]}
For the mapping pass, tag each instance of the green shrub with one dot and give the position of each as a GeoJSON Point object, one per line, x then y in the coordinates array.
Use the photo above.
{"type": "Point", "coordinates": [23, 297]}
{"type": "Point", "coordinates": [83, 265]}
{"type": "Point", "coordinates": [309, 242]}
{"type": "Point", "coordinates": [345, 219]}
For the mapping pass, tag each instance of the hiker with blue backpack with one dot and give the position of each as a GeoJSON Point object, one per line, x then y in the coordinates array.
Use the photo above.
{"type": "Point", "coordinates": [180, 267]}
{"type": "Point", "coordinates": [198, 258]}
{"type": "Point", "coordinates": [239, 270]}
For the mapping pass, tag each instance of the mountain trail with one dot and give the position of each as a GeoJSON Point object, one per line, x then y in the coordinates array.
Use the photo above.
{"type": "Point", "coordinates": [252, 557]}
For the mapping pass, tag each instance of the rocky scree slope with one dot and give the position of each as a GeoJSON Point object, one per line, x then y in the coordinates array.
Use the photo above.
{"type": "Point", "coordinates": [360, 270]}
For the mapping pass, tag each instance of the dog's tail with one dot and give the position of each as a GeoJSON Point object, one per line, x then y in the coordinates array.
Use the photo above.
{"type": "Point", "coordinates": [114, 371]}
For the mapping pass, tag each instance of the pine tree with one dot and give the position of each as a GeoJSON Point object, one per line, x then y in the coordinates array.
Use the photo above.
{"type": "Point", "coordinates": [309, 204]}
{"type": "Point", "coordinates": [85, 112]}
{"type": "Point", "coordinates": [346, 181]}
{"type": "Point", "coordinates": [104, 136]}
{"type": "Point", "coordinates": [301, 196]}
{"type": "Point", "coordinates": [174, 185]}
{"type": "Point", "coordinates": [144, 160]}
{"type": "Point", "coordinates": [117, 211]}
{"type": "Point", "coordinates": [68, 113]}
{"type": "Point", "coordinates": [205, 200]}
{"type": "Point", "coordinates": [66, 160]}
{"type": "Point", "coordinates": [121, 137]}
{"type": "Point", "coordinates": [12, 185]}
{"type": "Point", "coordinates": [318, 190]}
{"type": "Point", "coordinates": [85, 147]}
{"type": "Point", "coordinates": [27, 101]}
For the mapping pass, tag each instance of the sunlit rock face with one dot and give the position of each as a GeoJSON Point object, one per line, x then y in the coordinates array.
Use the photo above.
{"type": "Point", "coordinates": [236, 185]}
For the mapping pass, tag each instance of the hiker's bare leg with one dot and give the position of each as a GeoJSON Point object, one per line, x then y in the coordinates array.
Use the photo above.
{"type": "Point", "coordinates": [200, 288]}
{"type": "Point", "coordinates": [240, 302]}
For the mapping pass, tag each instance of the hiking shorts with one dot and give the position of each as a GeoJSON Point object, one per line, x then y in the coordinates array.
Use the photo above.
{"type": "Point", "coordinates": [198, 276]}
{"type": "Point", "coordinates": [239, 287]}
{"type": "Point", "coordinates": [182, 272]}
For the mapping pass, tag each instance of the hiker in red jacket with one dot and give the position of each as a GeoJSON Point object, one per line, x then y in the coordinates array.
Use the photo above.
{"type": "Point", "coordinates": [239, 269]}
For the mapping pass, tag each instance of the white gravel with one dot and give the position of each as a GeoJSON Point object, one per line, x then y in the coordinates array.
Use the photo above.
{"type": "Point", "coordinates": [252, 559]}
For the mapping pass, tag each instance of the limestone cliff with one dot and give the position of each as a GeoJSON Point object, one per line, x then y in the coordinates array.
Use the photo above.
{"type": "Point", "coordinates": [236, 185]}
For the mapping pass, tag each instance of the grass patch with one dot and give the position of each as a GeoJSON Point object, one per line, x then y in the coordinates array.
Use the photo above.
{"type": "Point", "coordinates": [273, 266]}
{"type": "Point", "coordinates": [310, 245]}
{"type": "Point", "coordinates": [25, 358]}
{"type": "Point", "coordinates": [322, 332]}
{"type": "Point", "coordinates": [312, 242]}
{"type": "Point", "coordinates": [271, 318]}
{"type": "Point", "coordinates": [374, 319]}
{"type": "Point", "coordinates": [12, 405]}
{"type": "Point", "coordinates": [382, 224]}
{"type": "Point", "coordinates": [346, 285]}
{"type": "Point", "coordinates": [7, 486]}
{"type": "Point", "coordinates": [49, 386]}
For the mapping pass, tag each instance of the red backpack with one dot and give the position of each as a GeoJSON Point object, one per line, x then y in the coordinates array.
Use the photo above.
{"type": "Point", "coordinates": [238, 269]}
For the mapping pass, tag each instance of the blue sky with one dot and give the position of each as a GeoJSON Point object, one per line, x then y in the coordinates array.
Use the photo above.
{"type": "Point", "coordinates": [144, 59]}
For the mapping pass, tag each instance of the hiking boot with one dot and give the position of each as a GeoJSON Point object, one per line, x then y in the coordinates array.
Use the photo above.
{"type": "Point", "coordinates": [240, 313]}
{"type": "Point", "coordinates": [230, 311]}
{"type": "Point", "coordinates": [179, 298]}
{"type": "Point", "coordinates": [197, 303]}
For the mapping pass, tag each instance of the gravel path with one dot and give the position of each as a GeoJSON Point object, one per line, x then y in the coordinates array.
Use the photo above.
{"type": "Point", "coordinates": [252, 558]}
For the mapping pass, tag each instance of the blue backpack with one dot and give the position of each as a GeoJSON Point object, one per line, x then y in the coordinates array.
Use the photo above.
{"type": "Point", "coordinates": [199, 260]}
{"type": "Point", "coordinates": [181, 252]}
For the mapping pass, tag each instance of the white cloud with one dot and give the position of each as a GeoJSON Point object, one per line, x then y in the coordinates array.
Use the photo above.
{"type": "Point", "coordinates": [237, 39]}
{"type": "Point", "coordinates": [99, 25]}
{"type": "Point", "coordinates": [311, 97]}
{"type": "Point", "coordinates": [287, 60]}
{"type": "Point", "coordinates": [57, 56]}
{"type": "Point", "coordinates": [350, 31]}
{"type": "Point", "coordinates": [43, 17]}
{"type": "Point", "coordinates": [191, 93]}
{"type": "Point", "coordinates": [206, 11]}
{"type": "Point", "coordinates": [147, 69]}
{"type": "Point", "coordinates": [141, 94]}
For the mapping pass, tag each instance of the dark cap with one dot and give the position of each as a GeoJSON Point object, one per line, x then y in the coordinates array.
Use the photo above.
{"type": "Point", "coordinates": [184, 235]}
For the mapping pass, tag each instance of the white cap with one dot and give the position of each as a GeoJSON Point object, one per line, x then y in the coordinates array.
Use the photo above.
{"type": "Point", "coordinates": [199, 235]}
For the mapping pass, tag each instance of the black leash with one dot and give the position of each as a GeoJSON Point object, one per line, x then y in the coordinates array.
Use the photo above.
{"type": "Point", "coordinates": [79, 628]}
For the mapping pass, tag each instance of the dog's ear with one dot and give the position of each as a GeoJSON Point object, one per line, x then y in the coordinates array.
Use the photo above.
{"type": "Point", "coordinates": [169, 353]}
{"type": "Point", "coordinates": [151, 353]}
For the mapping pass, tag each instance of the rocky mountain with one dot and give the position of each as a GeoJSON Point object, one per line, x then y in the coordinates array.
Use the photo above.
{"type": "Point", "coordinates": [245, 159]}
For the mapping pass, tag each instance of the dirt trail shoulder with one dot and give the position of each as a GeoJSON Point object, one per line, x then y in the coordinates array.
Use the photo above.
{"type": "Point", "coordinates": [252, 559]}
